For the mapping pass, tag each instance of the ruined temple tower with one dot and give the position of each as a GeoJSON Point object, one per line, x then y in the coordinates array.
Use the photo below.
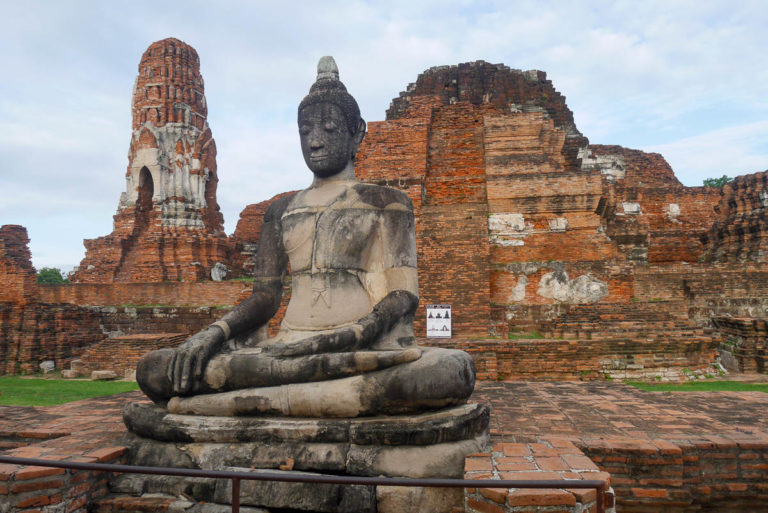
{"type": "Point", "coordinates": [168, 225]}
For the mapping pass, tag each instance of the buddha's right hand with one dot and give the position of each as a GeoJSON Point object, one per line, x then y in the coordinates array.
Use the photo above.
{"type": "Point", "coordinates": [191, 358]}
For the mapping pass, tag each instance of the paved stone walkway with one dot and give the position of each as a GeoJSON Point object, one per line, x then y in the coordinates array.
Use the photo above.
{"type": "Point", "coordinates": [524, 411]}
{"type": "Point", "coordinates": [520, 412]}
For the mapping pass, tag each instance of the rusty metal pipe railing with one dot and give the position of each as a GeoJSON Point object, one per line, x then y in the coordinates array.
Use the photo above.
{"type": "Point", "coordinates": [599, 485]}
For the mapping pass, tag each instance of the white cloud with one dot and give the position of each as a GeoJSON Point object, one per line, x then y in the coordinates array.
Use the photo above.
{"type": "Point", "coordinates": [731, 151]}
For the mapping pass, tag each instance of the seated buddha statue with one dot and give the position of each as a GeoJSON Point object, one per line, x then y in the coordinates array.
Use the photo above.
{"type": "Point", "coordinates": [346, 345]}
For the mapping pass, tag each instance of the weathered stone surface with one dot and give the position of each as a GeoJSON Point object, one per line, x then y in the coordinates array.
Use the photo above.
{"type": "Point", "coordinates": [103, 375]}
{"type": "Point", "coordinates": [317, 497]}
{"type": "Point", "coordinates": [168, 225]}
{"type": "Point", "coordinates": [436, 460]}
{"type": "Point", "coordinates": [47, 366]}
{"type": "Point", "coordinates": [399, 499]}
{"type": "Point", "coordinates": [439, 378]}
{"type": "Point", "coordinates": [18, 281]}
{"type": "Point", "coordinates": [446, 425]}
{"type": "Point", "coordinates": [219, 271]}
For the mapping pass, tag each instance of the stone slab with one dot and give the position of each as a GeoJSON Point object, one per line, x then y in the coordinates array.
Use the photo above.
{"type": "Point", "coordinates": [437, 460]}
{"type": "Point", "coordinates": [448, 425]}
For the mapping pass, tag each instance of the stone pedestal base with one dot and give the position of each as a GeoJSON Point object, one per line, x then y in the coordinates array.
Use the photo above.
{"type": "Point", "coordinates": [432, 444]}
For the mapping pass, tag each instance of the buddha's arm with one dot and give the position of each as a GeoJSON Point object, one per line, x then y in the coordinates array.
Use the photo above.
{"type": "Point", "coordinates": [270, 261]}
{"type": "Point", "coordinates": [191, 358]}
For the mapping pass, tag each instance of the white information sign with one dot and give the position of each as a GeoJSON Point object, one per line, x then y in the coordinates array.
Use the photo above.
{"type": "Point", "coordinates": [439, 321]}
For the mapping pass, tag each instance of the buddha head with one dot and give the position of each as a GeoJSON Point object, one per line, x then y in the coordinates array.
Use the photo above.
{"type": "Point", "coordinates": [330, 126]}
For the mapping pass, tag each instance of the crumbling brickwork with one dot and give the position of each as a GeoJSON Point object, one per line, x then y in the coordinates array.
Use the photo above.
{"type": "Point", "coordinates": [18, 280]}
{"type": "Point", "coordinates": [745, 343]}
{"type": "Point", "coordinates": [646, 211]}
{"type": "Point", "coordinates": [30, 331]}
{"type": "Point", "coordinates": [489, 156]}
{"type": "Point", "coordinates": [168, 225]}
{"type": "Point", "coordinates": [740, 233]}
{"type": "Point", "coordinates": [34, 332]}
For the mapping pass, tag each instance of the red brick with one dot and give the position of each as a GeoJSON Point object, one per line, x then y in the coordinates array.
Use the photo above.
{"type": "Point", "coordinates": [497, 495]}
{"type": "Point", "coordinates": [475, 464]}
{"type": "Point", "coordinates": [519, 463]}
{"type": "Point", "coordinates": [579, 462]}
{"type": "Point", "coordinates": [33, 472]}
{"type": "Point", "coordinates": [537, 475]}
{"type": "Point", "coordinates": [540, 497]}
{"type": "Point", "coordinates": [6, 471]}
{"type": "Point", "coordinates": [649, 492]}
{"type": "Point", "coordinates": [76, 504]}
{"type": "Point", "coordinates": [483, 507]}
{"type": "Point", "coordinates": [553, 463]}
{"type": "Point", "coordinates": [584, 495]}
{"type": "Point", "coordinates": [38, 500]}
{"type": "Point", "coordinates": [30, 486]}
{"type": "Point", "coordinates": [515, 449]}
{"type": "Point", "coordinates": [107, 454]}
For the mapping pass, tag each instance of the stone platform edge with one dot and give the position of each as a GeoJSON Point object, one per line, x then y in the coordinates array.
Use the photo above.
{"type": "Point", "coordinates": [32, 489]}
{"type": "Point", "coordinates": [545, 460]}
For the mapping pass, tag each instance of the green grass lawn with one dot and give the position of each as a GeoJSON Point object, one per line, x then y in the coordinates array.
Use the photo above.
{"type": "Point", "coordinates": [702, 386]}
{"type": "Point", "coordinates": [15, 391]}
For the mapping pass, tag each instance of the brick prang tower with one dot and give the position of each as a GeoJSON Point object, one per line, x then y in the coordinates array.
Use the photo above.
{"type": "Point", "coordinates": [168, 225]}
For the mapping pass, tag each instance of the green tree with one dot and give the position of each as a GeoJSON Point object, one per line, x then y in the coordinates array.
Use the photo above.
{"type": "Point", "coordinates": [717, 182]}
{"type": "Point", "coordinates": [50, 276]}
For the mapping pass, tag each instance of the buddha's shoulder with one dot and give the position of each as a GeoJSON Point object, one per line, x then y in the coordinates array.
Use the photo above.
{"type": "Point", "coordinates": [279, 206]}
{"type": "Point", "coordinates": [379, 196]}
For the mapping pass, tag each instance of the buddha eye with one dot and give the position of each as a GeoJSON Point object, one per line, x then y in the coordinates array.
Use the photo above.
{"type": "Point", "coordinates": [331, 126]}
{"type": "Point", "coordinates": [304, 130]}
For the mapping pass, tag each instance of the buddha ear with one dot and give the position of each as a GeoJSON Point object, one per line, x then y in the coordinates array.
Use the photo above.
{"type": "Point", "coordinates": [358, 137]}
{"type": "Point", "coordinates": [360, 133]}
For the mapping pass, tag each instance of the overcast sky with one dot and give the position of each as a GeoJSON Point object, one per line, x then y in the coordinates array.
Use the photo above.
{"type": "Point", "coordinates": [683, 78]}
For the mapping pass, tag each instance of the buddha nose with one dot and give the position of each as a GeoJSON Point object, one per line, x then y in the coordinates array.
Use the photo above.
{"type": "Point", "coordinates": [315, 143]}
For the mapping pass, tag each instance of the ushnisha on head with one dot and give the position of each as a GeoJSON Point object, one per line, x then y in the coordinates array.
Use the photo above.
{"type": "Point", "coordinates": [330, 126]}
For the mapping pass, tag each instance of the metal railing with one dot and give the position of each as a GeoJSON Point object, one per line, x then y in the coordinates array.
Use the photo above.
{"type": "Point", "coordinates": [599, 485]}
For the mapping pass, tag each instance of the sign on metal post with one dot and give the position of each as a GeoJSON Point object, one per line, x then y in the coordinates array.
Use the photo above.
{"type": "Point", "coordinates": [439, 321]}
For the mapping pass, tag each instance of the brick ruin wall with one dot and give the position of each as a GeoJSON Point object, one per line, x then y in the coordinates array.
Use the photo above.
{"type": "Point", "coordinates": [18, 280]}
{"type": "Point", "coordinates": [576, 233]}
{"type": "Point", "coordinates": [525, 228]}
{"type": "Point", "coordinates": [63, 322]}
{"type": "Point", "coordinates": [168, 225]}
{"type": "Point", "coordinates": [157, 294]}
{"type": "Point", "coordinates": [745, 343]}
{"type": "Point", "coordinates": [581, 242]}
{"type": "Point", "coordinates": [31, 331]}
{"type": "Point", "coordinates": [740, 231]}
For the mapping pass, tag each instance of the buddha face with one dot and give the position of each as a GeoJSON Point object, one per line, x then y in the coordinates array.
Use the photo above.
{"type": "Point", "coordinates": [326, 143]}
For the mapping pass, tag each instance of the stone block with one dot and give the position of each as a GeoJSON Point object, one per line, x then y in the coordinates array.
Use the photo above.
{"type": "Point", "coordinates": [315, 497]}
{"type": "Point", "coordinates": [103, 375]}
